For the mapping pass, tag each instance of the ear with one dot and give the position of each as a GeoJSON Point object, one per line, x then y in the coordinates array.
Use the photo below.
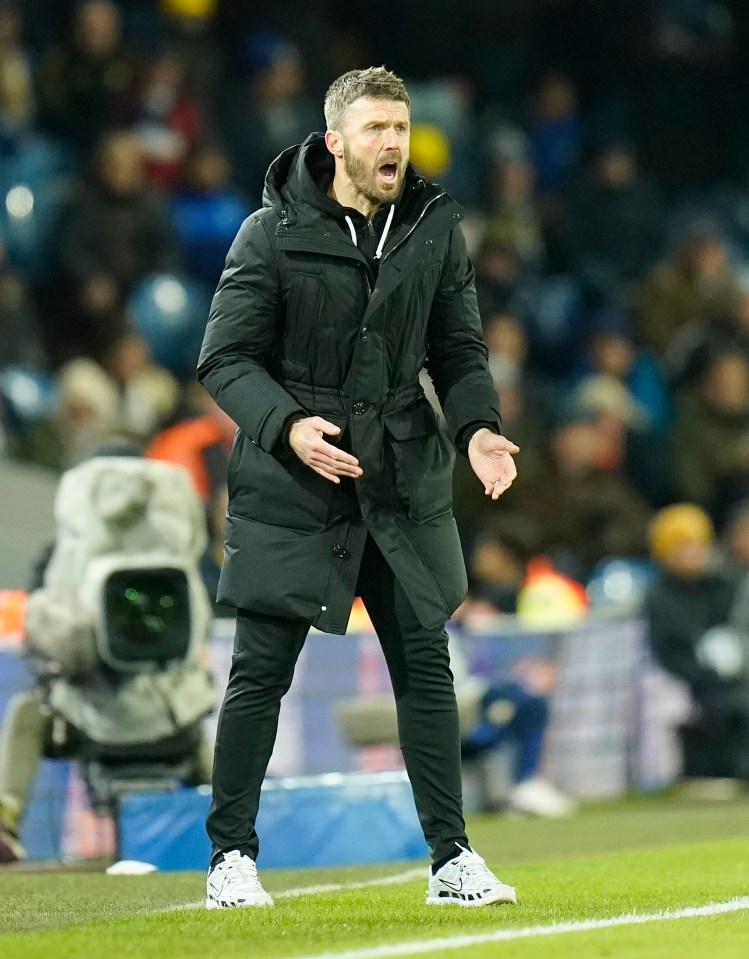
{"type": "Point", "coordinates": [334, 143]}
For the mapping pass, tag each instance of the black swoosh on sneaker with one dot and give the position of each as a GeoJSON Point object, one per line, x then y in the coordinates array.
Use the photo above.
{"type": "Point", "coordinates": [457, 887]}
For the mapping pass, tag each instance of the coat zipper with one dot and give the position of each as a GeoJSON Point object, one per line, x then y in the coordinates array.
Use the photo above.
{"type": "Point", "coordinates": [421, 216]}
{"type": "Point", "coordinates": [401, 242]}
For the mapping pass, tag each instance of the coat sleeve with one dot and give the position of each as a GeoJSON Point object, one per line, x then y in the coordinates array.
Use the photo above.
{"type": "Point", "coordinates": [244, 321]}
{"type": "Point", "coordinates": [456, 352]}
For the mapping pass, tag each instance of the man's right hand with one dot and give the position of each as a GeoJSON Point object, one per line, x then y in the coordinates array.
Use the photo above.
{"type": "Point", "coordinates": [306, 439]}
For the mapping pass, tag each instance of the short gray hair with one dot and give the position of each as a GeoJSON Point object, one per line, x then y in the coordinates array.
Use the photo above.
{"type": "Point", "coordinates": [375, 83]}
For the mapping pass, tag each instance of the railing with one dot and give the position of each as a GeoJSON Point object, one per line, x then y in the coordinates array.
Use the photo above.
{"type": "Point", "coordinates": [612, 728]}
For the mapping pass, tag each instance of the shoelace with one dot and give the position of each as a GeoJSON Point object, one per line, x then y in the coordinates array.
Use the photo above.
{"type": "Point", "coordinates": [472, 864]}
{"type": "Point", "coordinates": [241, 872]}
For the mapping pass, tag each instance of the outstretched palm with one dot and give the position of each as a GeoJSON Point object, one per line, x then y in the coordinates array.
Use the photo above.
{"type": "Point", "coordinates": [491, 459]}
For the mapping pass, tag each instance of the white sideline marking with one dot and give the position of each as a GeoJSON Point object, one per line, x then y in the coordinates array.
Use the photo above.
{"type": "Point", "coordinates": [345, 886]}
{"type": "Point", "coordinates": [501, 935]}
{"type": "Point", "coordinates": [391, 880]}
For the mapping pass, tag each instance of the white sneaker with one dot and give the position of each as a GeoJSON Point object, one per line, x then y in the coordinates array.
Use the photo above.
{"type": "Point", "coordinates": [538, 797]}
{"type": "Point", "coordinates": [11, 849]}
{"type": "Point", "coordinates": [234, 882]}
{"type": "Point", "coordinates": [467, 881]}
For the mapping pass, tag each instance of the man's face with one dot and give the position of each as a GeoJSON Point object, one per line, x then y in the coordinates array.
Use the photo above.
{"type": "Point", "coordinates": [375, 140]}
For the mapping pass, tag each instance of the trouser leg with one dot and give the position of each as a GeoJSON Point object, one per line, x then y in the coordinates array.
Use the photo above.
{"type": "Point", "coordinates": [509, 713]}
{"type": "Point", "coordinates": [428, 728]}
{"type": "Point", "coordinates": [24, 732]}
{"type": "Point", "coordinates": [529, 728]}
{"type": "Point", "coordinates": [266, 649]}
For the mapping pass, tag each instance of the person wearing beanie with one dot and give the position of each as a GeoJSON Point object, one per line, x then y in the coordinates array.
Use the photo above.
{"type": "Point", "coordinates": [692, 624]}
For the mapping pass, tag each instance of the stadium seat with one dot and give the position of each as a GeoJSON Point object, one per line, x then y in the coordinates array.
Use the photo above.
{"type": "Point", "coordinates": [170, 313]}
{"type": "Point", "coordinates": [619, 583]}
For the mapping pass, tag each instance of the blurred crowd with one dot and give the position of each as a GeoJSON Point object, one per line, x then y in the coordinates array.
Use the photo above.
{"type": "Point", "coordinates": [599, 159]}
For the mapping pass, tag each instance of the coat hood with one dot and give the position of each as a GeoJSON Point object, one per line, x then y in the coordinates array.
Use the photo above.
{"type": "Point", "coordinates": [302, 174]}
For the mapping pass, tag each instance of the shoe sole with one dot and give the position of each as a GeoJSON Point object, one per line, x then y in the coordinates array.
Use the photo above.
{"type": "Point", "coordinates": [215, 904]}
{"type": "Point", "coordinates": [503, 899]}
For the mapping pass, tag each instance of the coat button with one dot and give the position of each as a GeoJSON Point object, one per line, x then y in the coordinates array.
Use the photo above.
{"type": "Point", "coordinates": [428, 242]}
{"type": "Point", "coordinates": [456, 216]}
{"type": "Point", "coordinates": [340, 552]}
{"type": "Point", "coordinates": [364, 333]}
{"type": "Point", "coordinates": [359, 408]}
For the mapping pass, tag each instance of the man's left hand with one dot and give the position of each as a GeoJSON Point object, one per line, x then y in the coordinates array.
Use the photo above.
{"type": "Point", "coordinates": [491, 459]}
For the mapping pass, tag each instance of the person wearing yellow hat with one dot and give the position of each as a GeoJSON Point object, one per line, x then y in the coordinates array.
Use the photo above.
{"type": "Point", "coordinates": [197, 9]}
{"type": "Point", "coordinates": [430, 150]}
{"type": "Point", "coordinates": [689, 609]}
{"type": "Point", "coordinates": [681, 539]}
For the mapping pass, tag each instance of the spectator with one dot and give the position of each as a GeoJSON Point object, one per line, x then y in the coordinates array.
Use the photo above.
{"type": "Point", "coordinates": [444, 107]}
{"type": "Point", "coordinates": [612, 353]}
{"type": "Point", "coordinates": [116, 231]}
{"type": "Point", "coordinates": [734, 539]}
{"type": "Point", "coordinates": [523, 402]}
{"type": "Point", "coordinates": [147, 392]}
{"type": "Point", "coordinates": [700, 341]}
{"type": "Point", "coordinates": [167, 122]}
{"type": "Point", "coordinates": [694, 281]}
{"type": "Point", "coordinates": [501, 284]}
{"type": "Point", "coordinates": [689, 613]}
{"type": "Point", "coordinates": [554, 132]}
{"type": "Point", "coordinates": [615, 412]}
{"type": "Point", "coordinates": [710, 438]}
{"type": "Point", "coordinates": [513, 219]}
{"type": "Point", "coordinates": [269, 110]}
{"type": "Point", "coordinates": [498, 554]}
{"type": "Point", "coordinates": [21, 340]}
{"type": "Point", "coordinates": [582, 509]}
{"type": "Point", "coordinates": [84, 83]}
{"type": "Point", "coordinates": [524, 399]}
{"type": "Point", "coordinates": [193, 42]}
{"type": "Point", "coordinates": [127, 397]}
{"type": "Point", "coordinates": [513, 712]}
{"type": "Point", "coordinates": [207, 213]}
{"type": "Point", "coordinates": [17, 103]}
{"type": "Point", "coordinates": [611, 228]}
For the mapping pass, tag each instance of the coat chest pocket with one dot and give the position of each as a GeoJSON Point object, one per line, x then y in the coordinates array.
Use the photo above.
{"type": "Point", "coordinates": [423, 459]}
{"type": "Point", "coordinates": [304, 300]}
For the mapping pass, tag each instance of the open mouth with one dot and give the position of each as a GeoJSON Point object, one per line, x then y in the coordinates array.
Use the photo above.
{"type": "Point", "coordinates": [389, 172]}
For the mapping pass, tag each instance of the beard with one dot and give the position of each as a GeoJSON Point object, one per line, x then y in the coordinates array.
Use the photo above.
{"type": "Point", "coordinates": [364, 178]}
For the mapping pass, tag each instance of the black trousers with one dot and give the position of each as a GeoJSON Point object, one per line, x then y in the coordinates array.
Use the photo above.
{"type": "Point", "coordinates": [266, 650]}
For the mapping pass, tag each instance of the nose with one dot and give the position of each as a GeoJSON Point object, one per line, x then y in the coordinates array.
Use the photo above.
{"type": "Point", "coordinates": [391, 142]}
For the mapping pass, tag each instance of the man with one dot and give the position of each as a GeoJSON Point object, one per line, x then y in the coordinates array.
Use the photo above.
{"type": "Point", "coordinates": [697, 616]}
{"type": "Point", "coordinates": [350, 279]}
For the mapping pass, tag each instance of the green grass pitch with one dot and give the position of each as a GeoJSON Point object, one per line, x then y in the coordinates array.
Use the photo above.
{"type": "Point", "coordinates": [643, 856]}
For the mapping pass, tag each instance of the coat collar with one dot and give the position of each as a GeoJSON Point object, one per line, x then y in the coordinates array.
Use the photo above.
{"type": "Point", "coordinates": [405, 250]}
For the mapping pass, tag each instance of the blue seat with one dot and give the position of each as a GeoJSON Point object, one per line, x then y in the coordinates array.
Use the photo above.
{"type": "Point", "coordinates": [619, 582]}
{"type": "Point", "coordinates": [170, 313]}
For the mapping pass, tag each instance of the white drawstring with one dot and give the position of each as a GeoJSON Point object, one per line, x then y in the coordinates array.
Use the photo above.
{"type": "Point", "coordinates": [351, 228]}
{"type": "Point", "coordinates": [381, 244]}
{"type": "Point", "coordinates": [385, 232]}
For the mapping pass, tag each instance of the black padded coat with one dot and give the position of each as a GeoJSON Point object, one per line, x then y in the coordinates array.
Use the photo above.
{"type": "Point", "coordinates": [300, 325]}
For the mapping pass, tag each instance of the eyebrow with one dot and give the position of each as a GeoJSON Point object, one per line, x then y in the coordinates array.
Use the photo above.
{"type": "Point", "coordinates": [383, 123]}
